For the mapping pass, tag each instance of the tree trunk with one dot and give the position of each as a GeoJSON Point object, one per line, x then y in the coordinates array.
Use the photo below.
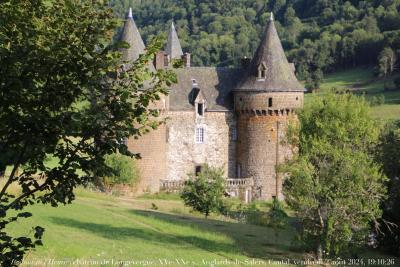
{"type": "Point", "coordinates": [319, 250]}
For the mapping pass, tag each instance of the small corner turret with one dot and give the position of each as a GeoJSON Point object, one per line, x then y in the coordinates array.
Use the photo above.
{"type": "Point", "coordinates": [131, 35]}
{"type": "Point", "coordinates": [172, 51]}
{"type": "Point", "coordinates": [173, 47]}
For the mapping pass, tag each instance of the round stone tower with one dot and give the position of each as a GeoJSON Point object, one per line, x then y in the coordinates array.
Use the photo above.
{"type": "Point", "coordinates": [265, 102]}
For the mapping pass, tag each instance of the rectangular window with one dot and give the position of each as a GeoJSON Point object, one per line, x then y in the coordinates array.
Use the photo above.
{"type": "Point", "coordinates": [270, 102]}
{"type": "Point", "coordinates": [199, 135]}
{"type": "Point", "coordinates": [200, 109]}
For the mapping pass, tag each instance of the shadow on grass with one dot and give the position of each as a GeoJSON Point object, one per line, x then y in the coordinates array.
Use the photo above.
{"type": "Point", "coordinates": [252, 241]}
{"type": "Point", "coordinates": [146, 235]}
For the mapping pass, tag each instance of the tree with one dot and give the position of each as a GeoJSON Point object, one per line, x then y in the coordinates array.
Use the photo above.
{"type": "Point", "coordinates": [64, 95]}
{"type": "Point", "coordinates": [333, 184]}
{"type": "Point", "coordinates": [389, 155]}
{"type": "Point", "coordinates": [204, 192]}
{"type": "Point", "coordinates": [387, 61]}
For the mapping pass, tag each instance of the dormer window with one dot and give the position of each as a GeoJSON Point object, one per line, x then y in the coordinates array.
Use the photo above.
{"type": "Point", "coordinates": [200, 109]}
{"type": "Point", "coordinates": [262, 68]}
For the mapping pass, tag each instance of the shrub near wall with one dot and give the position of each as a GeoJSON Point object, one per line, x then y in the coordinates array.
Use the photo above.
{"type": "Point", "coordinates": [123, 171]}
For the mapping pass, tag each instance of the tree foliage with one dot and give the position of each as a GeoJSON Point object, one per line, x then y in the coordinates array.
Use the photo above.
{"type": "Point", "coordinates": [122, 170]}
{"type": "Point", "coordinates": [318, 35]}
{"type": "Point", "coordinates": [63, 95]}
{"type": "Point", "coordinates": [387, 61]}
{"type": "Point", "coordinates": [389, 155]}
{"type": "Point", "coordinates": [333, 184]}
{"type": "Point", "coordinates": [204, 192]}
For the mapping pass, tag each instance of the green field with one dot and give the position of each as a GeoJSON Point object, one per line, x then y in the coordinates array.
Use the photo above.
{"type": "Point", "coordinates": [363, 81]}
{"type": "Point", "coordinates": [99, 227]}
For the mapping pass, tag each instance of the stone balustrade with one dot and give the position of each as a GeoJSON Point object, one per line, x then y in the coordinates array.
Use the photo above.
{"type": "Point", "coordinates": [172, 185]}
{"type": "Point", "coordinates": [235, 182]}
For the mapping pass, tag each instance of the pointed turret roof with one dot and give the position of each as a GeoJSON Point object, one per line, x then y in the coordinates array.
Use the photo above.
{"type": "Point", "coordinates": [131, 35]}
{"type": "Point", "coordinates": [173, 47]}
{"type": "Point", "coordinates": [271, 62]}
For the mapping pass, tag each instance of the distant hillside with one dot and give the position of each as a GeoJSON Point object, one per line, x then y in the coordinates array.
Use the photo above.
{"type": "Point", "coordinates": [318, 35]}
{"type": "Point", "coordinates": [381, 93]}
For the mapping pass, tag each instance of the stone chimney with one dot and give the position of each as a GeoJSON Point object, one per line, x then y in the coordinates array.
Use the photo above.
{"type": "Point", "coordinates": [159, 60]}
{"type": "Point", "coordinates": [186, 60]}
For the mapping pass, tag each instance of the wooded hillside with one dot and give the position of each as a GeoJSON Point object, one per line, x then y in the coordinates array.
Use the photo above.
{"type": "Point", "coordinates": [318, 35]}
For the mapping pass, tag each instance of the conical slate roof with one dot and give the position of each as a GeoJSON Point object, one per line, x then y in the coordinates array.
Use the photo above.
{"type": "Point", "coordinates": [277, 76]}
{"type": "Point", "coordinates": [173, 47]}
{"type": "Point", "coordinates": [131, 35]}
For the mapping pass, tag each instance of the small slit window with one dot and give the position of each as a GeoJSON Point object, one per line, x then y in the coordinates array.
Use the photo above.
{"type": "Point", "coordinates": [234, 134]}
{"type": "Point", "coordinates": [270, 102]}
{"type": "Point", "coordinates": [199, 135]}
{"type": "Point", "coordinates": [238, 170]}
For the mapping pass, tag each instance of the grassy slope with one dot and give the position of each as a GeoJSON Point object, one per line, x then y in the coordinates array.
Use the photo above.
{"type": "Point", "coordinates": [363, 80]}
{"type": "Point", "coordinates": [98, 227]}
{"type": "Point", "coordinates": [102, 227]}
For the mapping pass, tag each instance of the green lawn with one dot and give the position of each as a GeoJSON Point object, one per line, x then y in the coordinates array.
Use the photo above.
{"type": "Point", "coordinates": [101, 227]}
{"type": "Point", "coordinates": [363, 81]}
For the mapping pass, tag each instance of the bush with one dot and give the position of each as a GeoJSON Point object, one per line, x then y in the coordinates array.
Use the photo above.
{"type": "Point", "coordinates": [277, 217]}
{"type": "Point", "coordinates": [377, 100]}
{"type": "Point", "coordinates": [122, 170]}
{"type": "Point", "coordinates": [205, 192]}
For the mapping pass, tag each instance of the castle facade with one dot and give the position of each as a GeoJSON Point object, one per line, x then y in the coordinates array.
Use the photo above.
{"type": "Point", "coordinates": [234, 118]}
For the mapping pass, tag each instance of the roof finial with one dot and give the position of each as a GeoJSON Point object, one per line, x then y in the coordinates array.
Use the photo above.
{"type": "Point", "coordinates": [271, 18]}
{"type": "Point", "coordinates": [130, 13]}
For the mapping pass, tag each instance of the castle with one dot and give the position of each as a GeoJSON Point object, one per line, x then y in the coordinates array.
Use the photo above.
{"type": "Point", "coordinates": [235, 118]}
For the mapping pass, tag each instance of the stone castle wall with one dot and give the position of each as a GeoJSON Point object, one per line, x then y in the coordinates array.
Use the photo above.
{"type": "Point", "coordinates": [218, 149]}
{"type": "Point", "coordinates": [260, 148]}
{"type": "Point", "coordinates": [152, 148]}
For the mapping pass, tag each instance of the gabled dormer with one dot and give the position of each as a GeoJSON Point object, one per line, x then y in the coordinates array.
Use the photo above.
{"type": "Point", "coordinates": [261, 71]}
{"type": "Point", "coordinates": [200, 103]}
